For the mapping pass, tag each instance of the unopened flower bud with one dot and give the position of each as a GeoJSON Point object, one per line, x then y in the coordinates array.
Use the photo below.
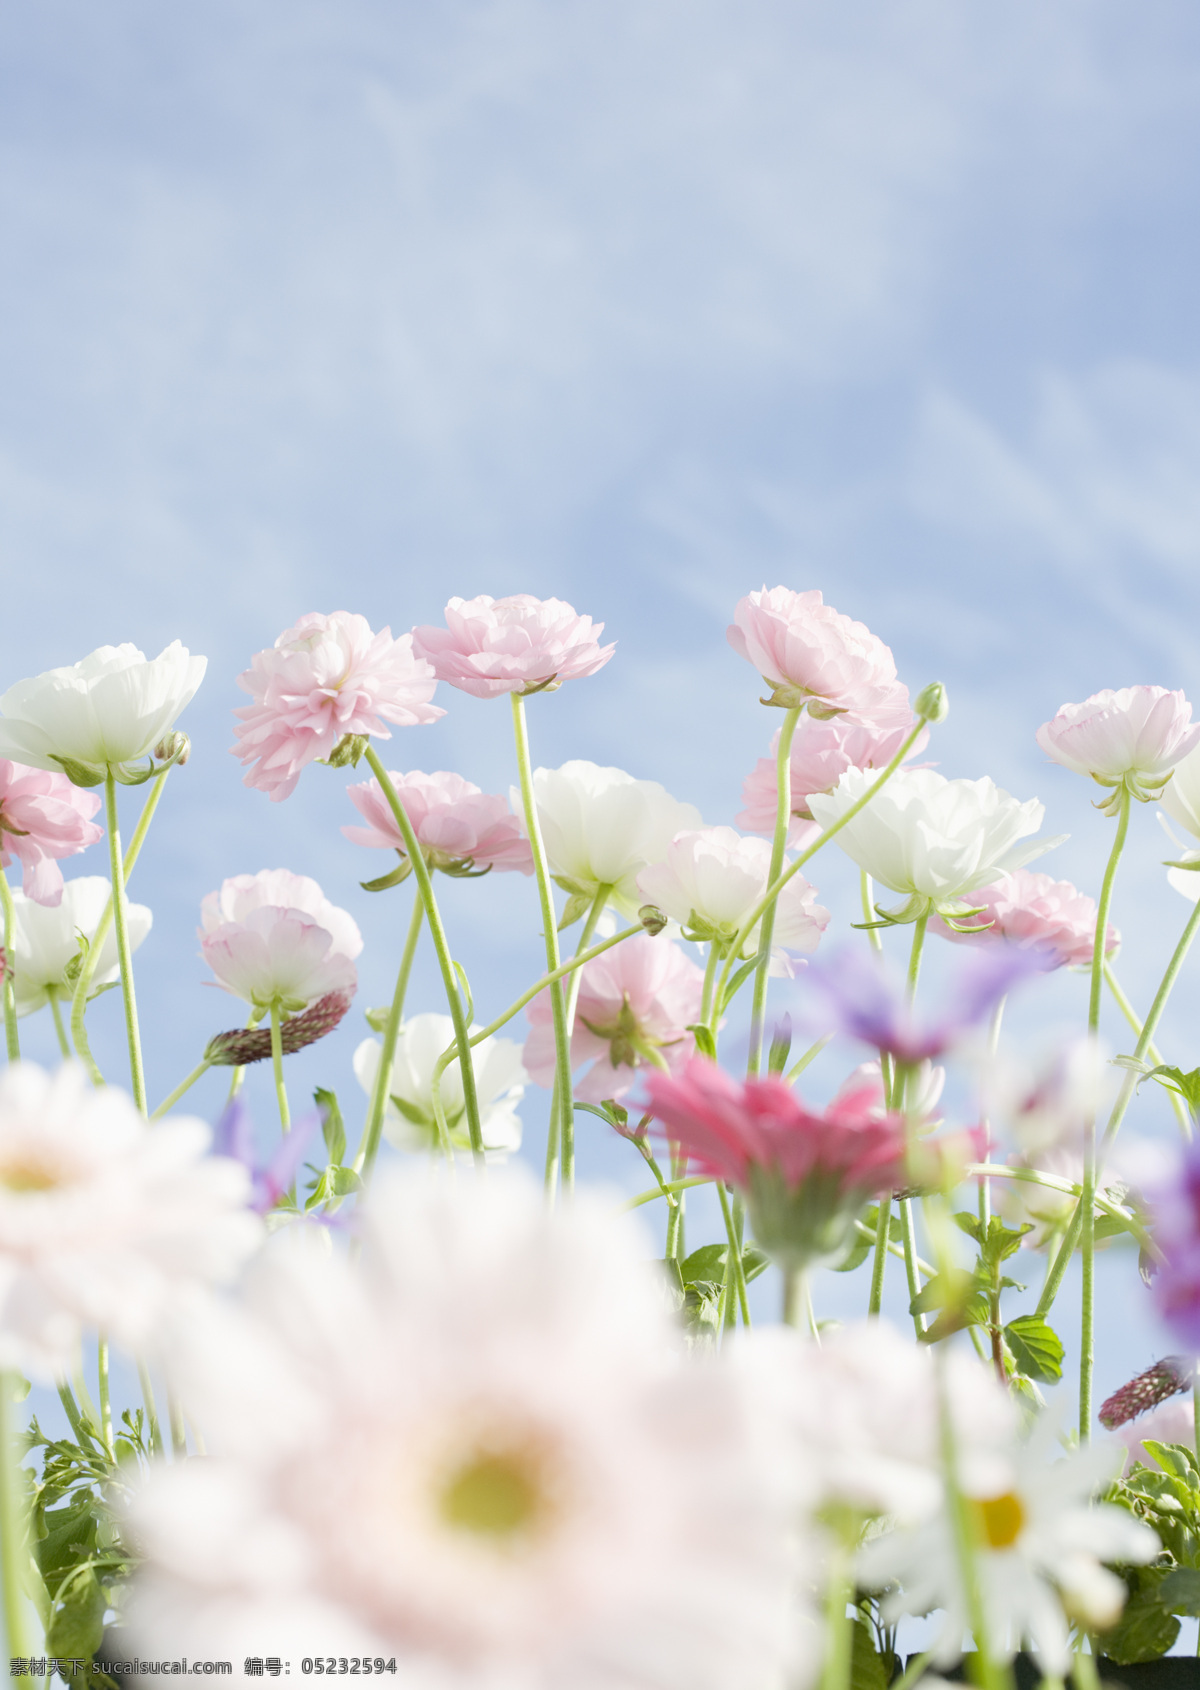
{"type": "Point", "coordinates": [932, 703]}
{"type": "Point", "coordinates": [652, 918]}
{"type": "Point", "coordinates": [244, 1045]}
{"type": "Point", "coordinates": [173, 748]}
{"type": "Point", "coordinates": [1167, 1378]}
{"type": "Point", "coordinates": [348, 751]}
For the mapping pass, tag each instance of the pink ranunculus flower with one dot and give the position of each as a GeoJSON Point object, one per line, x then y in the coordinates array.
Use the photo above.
{"type": "Point", "coordinates": [1130, 739]}
{"type": "Point", "coordinates": [518, 644]}
{"type": "Point", "coordinates": [1034, 910]}
{"type": "Point", "coordinates": [711, 880]}
{"type": "Point", "coordinates": [810, 654]}
{"type": "Point", "coordinates": [327, 677]}
{"type": "Point", "coordinates": [804, 1173]}
{"type": "Point", "coordinates": [274, 938]}
{"type": "Point", "coordinates": [43, 817]}
{"type": "Point", "coordinates": [459, 826]}
{"type": "Point", "coordinates": [635, 1005]}
{"type": "Point", "coordinates": [822, 751]}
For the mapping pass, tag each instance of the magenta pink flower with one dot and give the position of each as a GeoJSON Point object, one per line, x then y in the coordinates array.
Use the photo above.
{"type": "Point", "coordinates": [822, 751]}
{"type": "Point", "coordinates": [804, 1174]}
{"type": "Point", "coordinates": [43, 817]}
{"type": "Point", "coordinates": [808, 653]}
{"type": "Point", "coordinates": [635, 1004]}
{"type": "Point", "coordinates": [518, 644]}
{"type": "Point", "coordinates": [1132, 739]}
{"type": "Point", "coordinates": [274, 938]}
{"type": "Point", "coordinates": [459, 826]}
{"type": "Point", "coordinates": [327, 677]}
{"type": "Point", "coordinates": [1034, 911]}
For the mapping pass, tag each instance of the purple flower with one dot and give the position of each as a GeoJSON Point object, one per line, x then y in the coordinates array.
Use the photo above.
{"type": "Point", "coordinates": [233, 1136]}
{"type": "Point", "coordinates": [854, 995]}
{"type": "Point", "coordinates": [1175, 1202]}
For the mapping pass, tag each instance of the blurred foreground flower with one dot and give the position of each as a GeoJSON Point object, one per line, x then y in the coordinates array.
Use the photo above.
{"type": "Point", "coordinates": [805, 1174]}
{"type": "Point", "coordinates": [479, 1450]}
{"type": "Point", "coordinates": [636, 1004]}
{"type": "Point", "coordinates": [1130, 739]}
{"type": "Point", "coordinates": [1171, 1188]}
{"type": "Point", "coordinates": [43, 817]}
{"type": "Point", "coordinates": [460, 828]}
{"type": "Point", "coordinates": [517, 644]}
{"type": "Point", "coordinates": [104, 1219]}
{"type": "Point", "coordinates": [275, 938]}
{"type": "Point", "coordinates": [46, 940]}
{"type": "Point", "coordinates": [106, 712]}
{"type": "Point", "coordinates": [410, 1122]}
{"type": "Point", "coordinates": [327, 677]}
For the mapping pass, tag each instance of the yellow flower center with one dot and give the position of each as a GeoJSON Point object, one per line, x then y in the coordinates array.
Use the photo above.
{"type": "Point", "coordinates": [496, 1493]}
{"type": "Point", "coordinates": [28, 1173]}
{"type": "Point", "coordinates": [1001, 1519]}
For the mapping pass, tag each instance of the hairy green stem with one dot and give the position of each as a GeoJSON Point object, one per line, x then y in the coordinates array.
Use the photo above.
{"type": "Point", "coordinates": [437, 934]}
{"type": "Point", "coordinates": [172, 1098]}
{"type": "Point", "coordinates": [554, 1136]}
{"type": "Point", "coordinates": [285, 1114]}
{"type": "Point", "coordinates": [60, 1031]}
{"type": "Point", "coordinates": [735, 1270]}
{"type": "Point", "coordinates": [882, 1225]}
{"type": "Point", "coordinates": [1062, 1260]}
{"type": "Point", "coordinates": [364, 1162]}
{"type": "Point", "coordinates": [120, 906]}
{"type": "Point", "coordinates": [1087, 1205]}
{"type": "Point", "coordinates": [783, 821]}
{"type": "Point", "coordinates": [564, 1088]}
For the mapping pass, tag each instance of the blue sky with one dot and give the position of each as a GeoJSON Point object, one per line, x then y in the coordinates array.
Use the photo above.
{"type": "Point", "coordinates": [642, 304]}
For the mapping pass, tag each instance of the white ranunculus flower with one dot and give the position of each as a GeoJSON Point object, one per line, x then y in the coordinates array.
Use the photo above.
{"type": "Point", "coordinates": [45, 940]}
{"type": "Point", "coordinates": [105, 1220]}
{"type": "Point", "coordinates": [481, 1449]}
{"type": "Point", "coordinates": [933, 840]}
{"type": "Point", "coordinates": [1181, 795]}
{"type": "Point", "coordinates": [409, 1123]}
{"type": "Point", "coordinates": [601, 827]}
{"type": "Point", "coordinates": [712, 878]}
{"type": "Point", "coordinates": [106, 712]}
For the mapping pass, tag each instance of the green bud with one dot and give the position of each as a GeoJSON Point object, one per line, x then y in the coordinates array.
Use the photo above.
{"type": "Point", "coordinates": [652, 918]}
{"type": "Point", "coordinates": [348, 750]}
{"type": "Point", "coordinates": [932, 703]}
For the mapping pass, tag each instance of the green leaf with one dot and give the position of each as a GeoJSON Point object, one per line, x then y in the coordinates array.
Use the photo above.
{"type": "Point", "coordinates": [781, 1048]}
{"type": "Point", "coordinates": [1146, 1629]}
{"type": "Point", "coordinates": [1000, 1242]}
{"type": "Point", "coordinates": [705, 1043]}
{"type": "Point", "coordinates": [737, 982]}
{"type": "Point", "coordinates": [77, 1626]}
{"type": "Point", "coordinates": [970, 1224]}
{"type": "Point", "coordinates": [705, 1263]}
{"type": "Point", "coordinates": [951, 1289]}
{"type": "Point", "coordinates": [1036, 1348]}
{"type": "Point", "coordinates": [577, 905]}
{"type": "Point", "coordinates": [1176, 1459]}
{"type": "Point", "coordinates": [868, 1669]}
{"type": "Point", "coordinates": [1179, 1592]}
{"type": "Point", "coordinates": [333, 1128]}
{"type": "Point", "coordinates": [344, 1181]}
{"type": "Point", "coordinates": [754, 1262]}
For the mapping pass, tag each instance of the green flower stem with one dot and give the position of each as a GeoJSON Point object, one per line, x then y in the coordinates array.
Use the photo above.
{"type": "Point", "coordinates": [239, 1074]}
{"type": "Point", "coordinates": [839, 1633]}
{"type": "Point", "coordinates": [179, 1446]}
{"type": "Point", "coordinates": [1087, 1234]}
{"type": "Point", "coordinates": [82, 1433]}
{"type": "Point", "coordinates": [985, 1188]}
{"type": "Point", "coordinates": [793, 1295]}
{"type": "Point", "coordinates": [564, 1089]}
{"type": "Point", "coordinates": [147, 1384]}
{"type": "Point", "coordinates": [710, 1012]}
{"type": "Point", "coordinates": [11, 1038]}
{"type": "Point", "coordinates": [172, 1098]}
{"type": "Point", "coordinates": [867, 894]}
{"type": "Point", "coordinates": [121, 918]}
{"type": "Point", "coordinates": [735, 1272]}
{"type": "Point", "coordinates": [901, 1074]}
{"type": "Point", "coordinates": [437, 933]}
{"type": "Point", "coordinates": [64, 1043]}
{"type": "Point", "coordinates": [1056, 1272]}
{"type": "Point", "coordinates": [364, 1162]}
{"type": "Point", "coordinates": [1150, 1027]}
{"type": "Point", "coordinates": [783, 821]}
{"type": "Point", "coordinates": [1153, 1054]}
{"type": "Point", "coordinates": [982, 1668]}
{"type": "Point", "coordinates": [810, 1055]}
{"type": "Point", "coordinates": [674, 1249]}
{"type": "Point", "coordinates": [875, 1302]}
{"type": "Point", "coordinates": [554, 1137]}
{"type": "Point", "coordinates": [776, 887]}
{"type": "Point", "coordinates": [14, 1549]}
{"type": "Point", "coordinates": [665, 1188]}
{"type": "Point", "coordinates": [1052, 1182]}
{"type": "Point", "coordinates": [87, 970]}
{"type": "Point", "coordinates": [908, 1234]}
{"type": "Point", "coordinates": [897, 1250]}
{"type": "Point", "coordinates": [914, 955]}
{"type": "Point", "coordinates": [285, 1114]}
{"type": "Point", "coordinates": [106, 1431]}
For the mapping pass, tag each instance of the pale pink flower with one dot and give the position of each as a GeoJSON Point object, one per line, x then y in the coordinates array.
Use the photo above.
{"type": "Point", "coordinates": [43, 817]}
{"type": "Point", "coordinates": [805, 1173]}
{"type": "Point", "coordinates": [518, 644]}
{"type": "Point", "coordinates": [822, 751]}
{"type": "Point", "coordinates": [808, 653]}
{"type": "Point", "coordinates": [1033, 910]}
{"type": "Point", "coordinates": [274, 937]}
{"type": "Point", "coordinates": [459, 826]}
{"type": "Point", "coordinates": [327, 677]}
{"type": "Point", "coordinates": [711, 880]}
{"type": "Point", "coordinates": [635, 1005]}
{"type": "Point", "coordinates": [104, 1218]}
{"type": "Point", "coordinates": [480, 1449]}
{"type": "Point", "coordinates": [1132, 739]}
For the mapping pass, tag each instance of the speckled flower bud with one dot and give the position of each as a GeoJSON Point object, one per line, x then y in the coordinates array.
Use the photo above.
{"type": "Point", "coordinates": [244, 1045]}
